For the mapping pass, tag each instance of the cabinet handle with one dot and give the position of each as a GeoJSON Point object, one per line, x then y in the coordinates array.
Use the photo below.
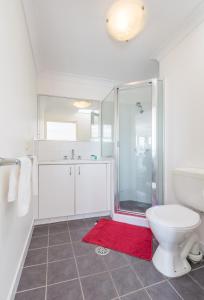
{"type": "Point", "coordinates": [79, 171]}
{"type": "Point", "coordinates": [70, 171]}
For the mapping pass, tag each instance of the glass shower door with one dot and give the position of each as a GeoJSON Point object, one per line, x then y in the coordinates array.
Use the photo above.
{"type": "Point", "coordinates": [135, 148]}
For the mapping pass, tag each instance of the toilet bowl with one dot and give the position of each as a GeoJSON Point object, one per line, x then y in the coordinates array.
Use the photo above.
{"type": "Point", "coordinates": [175, 225]}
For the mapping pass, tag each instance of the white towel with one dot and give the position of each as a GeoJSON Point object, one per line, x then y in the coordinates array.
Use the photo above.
{"type": "Point", "coordinates": [13, 184]}
{"type": "Point", "coordinates": [35, 176]}
{"type": "Point", "coordinates": [24, 188]}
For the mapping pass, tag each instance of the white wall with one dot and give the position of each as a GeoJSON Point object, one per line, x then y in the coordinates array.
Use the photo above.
{"type": "Point", "coordinates": [55, 150]}
{"type": "Point", "coordinates": [17, 123]}
{"type": "Point", "coordinates": [74, 86]}
{"type": "Point", "coordinates": [107, 118]}
{"type": "Point", "coordinates": [183, 71]}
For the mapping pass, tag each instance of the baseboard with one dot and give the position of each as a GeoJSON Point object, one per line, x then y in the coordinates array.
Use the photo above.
{"type": "Point", "coordinates": [17, 275]}
{"type": "Point", "coordinates": [69, 218]}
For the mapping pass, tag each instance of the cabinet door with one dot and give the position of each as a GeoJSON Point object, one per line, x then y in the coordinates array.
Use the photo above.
{"type": "Point", "coordinates": [56, 191]}
{"type": "Point", "coordinates": [91, 188]}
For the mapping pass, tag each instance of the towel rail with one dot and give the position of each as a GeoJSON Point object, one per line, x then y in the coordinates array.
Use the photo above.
{"type": "Point", "coordinates": [9, 161]}
{"type": "Point", "coordinates": [12, 161]}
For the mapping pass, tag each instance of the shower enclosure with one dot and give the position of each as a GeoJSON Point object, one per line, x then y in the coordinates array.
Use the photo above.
{"type": "Point", "coordinates": [132, 133]}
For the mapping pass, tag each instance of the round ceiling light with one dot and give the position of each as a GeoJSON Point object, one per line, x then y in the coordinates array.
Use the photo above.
{"type": "Point", "coordinates": [81, 104]}
{"type": "Point", "coordinates": [125, 19]}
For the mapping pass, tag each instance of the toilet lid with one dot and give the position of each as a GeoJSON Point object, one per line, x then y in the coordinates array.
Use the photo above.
{"type": "Point", "coordinates": [174, 216]}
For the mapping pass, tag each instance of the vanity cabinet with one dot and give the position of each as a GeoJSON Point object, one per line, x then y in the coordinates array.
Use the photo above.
{"type": "Point", "coordinates": [66, 190]}
{"type": "Point", "coordinates": [56, 191]}
{"type": "Point", "coordinates": [91, 188]}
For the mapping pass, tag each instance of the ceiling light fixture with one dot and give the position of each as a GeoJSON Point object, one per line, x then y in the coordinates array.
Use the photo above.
{"type": "Point", "coordinates": [82, 104]}
{"type": "Point", "coordinates": [125, 19]}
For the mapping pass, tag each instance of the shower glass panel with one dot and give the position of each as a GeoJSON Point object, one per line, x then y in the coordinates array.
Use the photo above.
{"type": "Point", "coordinates": [132, 134]}
{"type": "Point", "coordinates": [135, 148]}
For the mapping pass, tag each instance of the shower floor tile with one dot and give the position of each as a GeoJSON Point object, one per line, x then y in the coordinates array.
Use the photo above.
{"type": "Point", "coordinates": [135, 206]}
{"type": "Point", "coordinates": [67, 268]}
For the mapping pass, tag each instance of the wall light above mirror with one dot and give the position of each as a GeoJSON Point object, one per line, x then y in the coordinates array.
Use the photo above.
{"type": "Point", "coordinates": [82, 103]}
{"type": "Point", "coordinates": [68, 119]}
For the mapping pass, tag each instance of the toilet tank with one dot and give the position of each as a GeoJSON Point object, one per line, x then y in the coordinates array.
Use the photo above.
{"type": "Point", "coordinates": [188, 184]}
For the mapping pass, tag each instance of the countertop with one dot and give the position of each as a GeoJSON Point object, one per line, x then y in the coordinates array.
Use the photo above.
{"type": "Point", "coordinates": [75, 162]}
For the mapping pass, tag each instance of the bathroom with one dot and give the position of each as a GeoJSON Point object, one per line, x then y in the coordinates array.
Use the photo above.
{"type": "Point", "coordinates": [101, 128]}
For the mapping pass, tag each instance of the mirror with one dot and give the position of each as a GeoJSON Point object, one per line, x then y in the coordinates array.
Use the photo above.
{"type": "Point", "coordinates": [68, 119]}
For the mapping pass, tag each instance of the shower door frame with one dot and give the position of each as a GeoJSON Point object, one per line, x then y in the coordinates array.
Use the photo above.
{"type": "Point", "coordinates": [125, 215]}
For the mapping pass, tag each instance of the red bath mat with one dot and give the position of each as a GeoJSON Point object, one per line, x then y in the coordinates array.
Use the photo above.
{"type": "Point", "coordinates": [129, 239]}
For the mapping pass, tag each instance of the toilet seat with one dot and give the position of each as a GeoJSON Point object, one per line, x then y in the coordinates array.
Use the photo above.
{"type": "Point", "coordinates": [173, 216]}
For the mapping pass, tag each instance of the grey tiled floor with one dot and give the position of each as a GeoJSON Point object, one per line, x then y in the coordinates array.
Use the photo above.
{"type": "Point", "coordinates": [61, 267]}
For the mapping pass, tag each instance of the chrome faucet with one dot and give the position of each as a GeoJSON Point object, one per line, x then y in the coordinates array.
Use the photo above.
{"type": "Point", "coordinates": [72, 154]}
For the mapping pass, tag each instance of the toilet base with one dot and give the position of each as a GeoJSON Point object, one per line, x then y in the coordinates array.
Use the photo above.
{"type": "Point", "coordinates": [170, 263]}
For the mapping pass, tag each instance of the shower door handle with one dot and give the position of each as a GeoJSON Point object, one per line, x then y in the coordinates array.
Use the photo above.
{"type": "Point", "coordinates": [79, 171]}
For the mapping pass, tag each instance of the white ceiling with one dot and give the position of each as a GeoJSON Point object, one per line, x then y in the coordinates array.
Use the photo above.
{"type": "Point", "coordinates": [69, 36]}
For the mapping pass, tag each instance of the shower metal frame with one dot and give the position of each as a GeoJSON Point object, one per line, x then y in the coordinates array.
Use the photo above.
{"type": "Point", "coordinates": [156, 179]}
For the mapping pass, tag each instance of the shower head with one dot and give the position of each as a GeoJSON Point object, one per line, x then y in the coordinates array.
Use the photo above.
{"type": "Point", "coordinates": [140, 108]}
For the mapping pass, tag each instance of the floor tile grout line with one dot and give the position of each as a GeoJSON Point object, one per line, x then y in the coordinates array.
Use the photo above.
{"type": "Point", "coordinates": [32, 249]}
{"type": "Point", "coordinates": [51, 284]}
{"type": "Point", "coordinates": [82, 292]}
{"type": "Point", "coordinates": [47, 264]}
{"type": "Point", "coordinates": [196, 281]}
{"type": "Point", "coordinates": [56, 245]}
{"type": "Point", "coordinates": [36, 265]}
{"type": "Point", "coordinates": [148, 294]}
{"type": "Point", "coordinates": [60, 260]}
{"type": "Point", "coordinates": [95, 274]}
{"type": "Point", "coordinates": [63, 281]}
{"type": "Point", "coordinates": [114, 285]}
{"type": "Point", "coordinates": [117, 268]}
{"type": "Point", "coordinates": [36, 288]}
{"type": "Point", "coordinates": [39, 236]}
{"type": "Point", "coordinates": [57, 233]}
{"type": "Point", "coordinates": [102, 272]}
{"type": "Point", "coordinates": [72, 257]}
{"type": "Point", "coordinates": [156, 283]}
{"type": "Point", "coordinates": [137, 276]}
{"type": "Point", "coordinates": [132, 292]}
{"type": "Point", "coordinates": [198, 268]}
{"type": "Point", "coordinates": [143, 288]}
{"type": "Point", "coordinates": [175, 289]}
{"type": "Point", "coordinates": [76, 278]}
{"type": "Point", "coordinates": [111, 277]}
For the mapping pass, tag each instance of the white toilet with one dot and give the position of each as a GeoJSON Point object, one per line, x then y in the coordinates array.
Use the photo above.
{"type": "Point", "coordinates": [175, 226]}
